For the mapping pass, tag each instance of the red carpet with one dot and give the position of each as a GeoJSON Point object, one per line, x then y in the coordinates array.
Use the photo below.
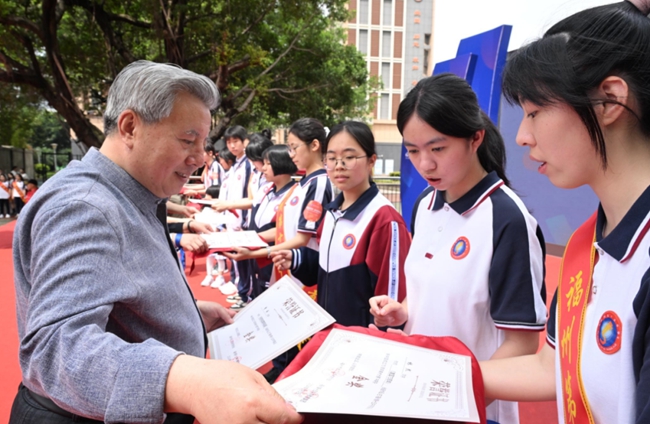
{"type": "Point", "coordinates": [531, 413]}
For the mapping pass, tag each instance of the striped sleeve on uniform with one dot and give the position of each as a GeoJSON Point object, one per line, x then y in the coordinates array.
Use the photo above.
{"type": "Point", "coordinates": [319, 191]}
{"type": "Point", "coordinates": [516, 278]}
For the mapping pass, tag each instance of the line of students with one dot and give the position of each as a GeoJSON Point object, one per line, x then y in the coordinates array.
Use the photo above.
{"type": "Point", "coordinates": [585, 91]}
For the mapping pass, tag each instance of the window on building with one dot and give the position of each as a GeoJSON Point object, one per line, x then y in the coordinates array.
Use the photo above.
{"type": "Point", "coordinates": [385, 75]}
{"type": "Point", "coordinates": [388, 13]}
{"type": "Point", "coordinates": [363, 11]}
{"type": "Point", "coordinates": [385, 44]}
{"type": "Point", "coordinates": [363, 41]}
{"type": "Point", "coordinates": [427, 39]}
{"type": "Point", "coordinates": [383, 107]}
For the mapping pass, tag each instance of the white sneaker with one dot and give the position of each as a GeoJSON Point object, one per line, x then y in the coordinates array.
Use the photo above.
{"type": "Point", "coordinates": [233, 299]}
{"type": "Point", "coordinates": [7, 216]}
{"type": "Point", "coordinates": [218, 282]}
{"type": "Point", "coordinates": [228, 288]}
{"type": "Point", "coordinates": [206, 281]}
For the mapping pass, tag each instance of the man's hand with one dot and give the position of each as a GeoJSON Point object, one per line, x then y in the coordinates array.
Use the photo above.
{"type": "Point", "coordinates": [214, 315]}
{"type": "Point", "coordinates": [201, 227]}
{"type": "Point", "coordinates": [194, 243]}
{"type": "Point", "coordinates": [188, 211]}
{"type": "Point", "coordinates": [221, 392]}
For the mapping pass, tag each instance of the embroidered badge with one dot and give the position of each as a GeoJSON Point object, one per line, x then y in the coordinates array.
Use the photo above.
{"type": "Point", "coordinates": [349, 241]}
{"type": "Point", "coordinates": [428, 255]}
{"type": "Point", "coordinates": [239, 177]}
{"type": "Point", "coordinates": [294, 201]}
{"type": "Point", "coordinates": [608, 333]}
{"type": "Point", "coordinates": [313, 211]}
{"type": "Point", "coordinates": [275, 209]}
{"type": "Point", "coordinates": [460, 248]}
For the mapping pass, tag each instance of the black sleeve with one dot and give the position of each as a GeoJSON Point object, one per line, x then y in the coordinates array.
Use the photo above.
{"type": "Point", "coordinates": [641, 350]}
{"type": "Point", "coordinates": [175, 227]}
{"type": "Point", "coordinates": [305, 265]}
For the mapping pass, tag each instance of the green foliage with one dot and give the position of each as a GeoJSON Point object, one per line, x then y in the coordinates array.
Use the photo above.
{"type": "Point", "coordinates": [41, 169]}
{"type": "Point", "coordinates": [394, 174]}
{"type": "Point", "coordinates": [273, 61]}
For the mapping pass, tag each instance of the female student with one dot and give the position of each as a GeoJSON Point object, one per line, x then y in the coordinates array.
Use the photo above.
{"type": "Point", "coordinates": [300, 216]}
{"type": "Point", "coordinates": [19, 192]}
{"type": "Point", "coordinates": [585, 91]}
{"type": "Point", "coordinates": [277, 169]}
{"type": "Point", "coordinates": [476, 265]}
{"type": "Point", "coordinates": [364, 240]}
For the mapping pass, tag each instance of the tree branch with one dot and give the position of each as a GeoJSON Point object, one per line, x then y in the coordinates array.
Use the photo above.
{"type": "Point", "coordinates": [23, 23]}
{"type": "Point", "coordinates": [296, 90]}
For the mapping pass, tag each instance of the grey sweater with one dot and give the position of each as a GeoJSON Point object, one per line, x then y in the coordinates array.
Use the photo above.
{"type": "Point", "coordinates": [103, 307]}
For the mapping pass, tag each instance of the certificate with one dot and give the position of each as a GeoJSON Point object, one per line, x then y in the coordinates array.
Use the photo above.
{"type": "Point", "coordinates": [207, 202]}
{"type": "Point", "coordinates": [358, 374]}
{"type": "Point", "coordinates": [209, 216]}
{"type": "Point", "coordinates": [226, 240]}
{"type": "Point", "coordinates": [273, 323]}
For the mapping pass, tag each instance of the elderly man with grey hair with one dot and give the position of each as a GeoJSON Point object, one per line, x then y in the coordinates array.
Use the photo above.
{"type": "Point", "coordinates": [109, 330]}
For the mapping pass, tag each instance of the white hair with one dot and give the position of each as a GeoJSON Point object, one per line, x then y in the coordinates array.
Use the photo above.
{"type": "Point", "coordinates": [150, 89]}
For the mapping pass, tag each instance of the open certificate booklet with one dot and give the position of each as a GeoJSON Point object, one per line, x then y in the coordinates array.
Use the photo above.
{"type": "Point", "coordinates": [353, 373]}
{"type": "Point", "coordinates": [273, 323]}
{"type": "Point", "coordinates": [226, 240]}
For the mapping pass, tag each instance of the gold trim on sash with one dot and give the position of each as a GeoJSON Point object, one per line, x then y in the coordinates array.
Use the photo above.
{"type": "Point", "coordinates": [573, 293]}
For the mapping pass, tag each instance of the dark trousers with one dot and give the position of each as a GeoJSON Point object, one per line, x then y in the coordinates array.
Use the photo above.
{"type": "Point", "coordinates": [247, 270]}
{"type": "Point", "coordinates": [18, 205]}
{"type": "Point", "coordinates": [5, 209]}
{"type": "Point", "coordinates": [29, 408]}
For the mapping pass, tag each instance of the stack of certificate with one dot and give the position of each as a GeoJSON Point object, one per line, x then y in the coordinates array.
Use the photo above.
{"type": "Point", "coordinates": [352, 373]}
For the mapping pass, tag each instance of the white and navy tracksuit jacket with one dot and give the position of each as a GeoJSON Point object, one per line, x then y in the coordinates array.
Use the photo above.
{"type": "Point", "coordinates": [476, 268]}
{"type": "Point", "coordinates": [362, 251]}
{"type": "Point", "coordinates": [616, 381]}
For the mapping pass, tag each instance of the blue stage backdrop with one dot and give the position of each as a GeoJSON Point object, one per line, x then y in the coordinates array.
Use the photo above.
{"type": "Point", "coordinates": [480, 60]}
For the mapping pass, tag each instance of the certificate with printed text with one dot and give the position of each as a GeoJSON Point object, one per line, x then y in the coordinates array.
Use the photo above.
{"type": "Point", "coordinates": [273, 323]}
{"type": "Point", "coordinates": [358, 374]}
{"type": "Point", "coordinates": [226, 240]}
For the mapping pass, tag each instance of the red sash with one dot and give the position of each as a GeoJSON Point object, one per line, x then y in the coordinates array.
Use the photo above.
{"type": "Point", "coordinates": [280, 236]}
{"type": "Point", "coordinates": [5, 188]}
{"type": "Point", "coordinates": [20, 192]}
{"type": "Point", "coordinates": [573, 294]}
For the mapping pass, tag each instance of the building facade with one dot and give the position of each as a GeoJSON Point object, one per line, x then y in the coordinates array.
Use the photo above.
{"type": "Point", "coordinates": [395, 37]}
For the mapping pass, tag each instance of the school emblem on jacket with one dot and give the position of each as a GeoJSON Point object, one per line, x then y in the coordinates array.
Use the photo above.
{"type": "Point", "coordinates": [349, 241]}
{"type": "Point", "coordinates": [460, 248]}
{"type": "Point", "coordinates": [608, 333]}
{"type": "Point", "coordinates": [294, 201]}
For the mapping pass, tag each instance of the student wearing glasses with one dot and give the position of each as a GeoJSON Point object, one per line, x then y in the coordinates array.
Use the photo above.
{"type": "Point", "coordinates": [475, 270]}
{"type": "Point", "coordinates": [364, 240]}
{"type": "Point", "coordinates": [300, 215]}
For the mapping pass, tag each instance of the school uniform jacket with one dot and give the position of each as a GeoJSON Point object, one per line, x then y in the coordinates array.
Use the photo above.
{"type": "Point", "coordinates": [362, 252]}
{"type": "Point", "coordinates": [475, 269]}
{"type": "Point", "coordinates": [615, 355]}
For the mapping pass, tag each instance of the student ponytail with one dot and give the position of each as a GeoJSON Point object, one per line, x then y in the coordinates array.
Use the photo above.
{"type": "Point", "coordinates": [449, 105]}
{"type": "Point", "coordinates": [492, 152]}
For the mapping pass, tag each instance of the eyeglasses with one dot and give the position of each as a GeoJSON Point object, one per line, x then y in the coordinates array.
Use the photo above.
{"type": "Point", "coordinates": [292, 150]}
{"type": "Point", "coordinates": [347, 162]}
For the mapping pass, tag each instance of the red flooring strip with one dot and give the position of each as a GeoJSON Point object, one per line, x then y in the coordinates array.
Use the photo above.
{"type": "Point", "coordinates": [531, 413]}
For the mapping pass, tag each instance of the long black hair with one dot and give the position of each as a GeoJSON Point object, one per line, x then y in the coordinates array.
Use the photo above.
{"type": "Point", "coordinates": [449, 105]}
{"type": "Point", "coordinates": [576, 55]}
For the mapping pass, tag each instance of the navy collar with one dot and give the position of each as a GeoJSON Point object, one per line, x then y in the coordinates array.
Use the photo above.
{"type": "Point", "coordinates": [625, 238]}
{"type": "Point", "coordinates": [472, 198]}
{"type": "Point", "coordinates": [358, 206]}
{"type": "Point", "coordinates": [283, 190]}
{"type": "Point", "coordinates": [307, 178]}
{"type": "Point", "coordinates": [139, 195]}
